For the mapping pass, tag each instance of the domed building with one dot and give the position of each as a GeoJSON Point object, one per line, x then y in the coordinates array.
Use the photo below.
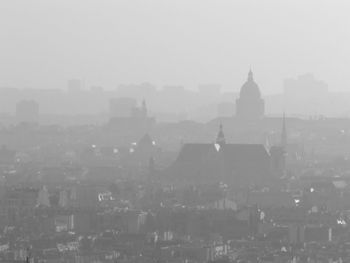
{"type": "Point", "coordinates": [250, 105]}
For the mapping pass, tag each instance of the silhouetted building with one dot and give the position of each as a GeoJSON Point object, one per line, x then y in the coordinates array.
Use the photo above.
{"type": "Point", "coordinates": [250, 105]}
{"type": "Point", "coordinates": [239, 164]}
{"type": "Point", "coordinates": [136, 123]}
{"type": "Point", "coordinates": [27, 111]}
{"type": "Point", "coordinates": [278, 161]}
{"type": "Point", "coordinates": [279, 152]}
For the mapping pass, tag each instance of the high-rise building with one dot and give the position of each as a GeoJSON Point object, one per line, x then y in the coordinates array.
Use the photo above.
{"type": "Point", "coordinates": [250, 105]}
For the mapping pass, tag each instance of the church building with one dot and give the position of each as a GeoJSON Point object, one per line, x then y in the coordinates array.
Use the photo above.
{"type": "Point", "coordinates": [237, 164]}
{"type": "Point", "coordinates": [250, 106]}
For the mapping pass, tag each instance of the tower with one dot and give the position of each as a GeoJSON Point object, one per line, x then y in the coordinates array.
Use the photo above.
{"type": "Point", "coordinates": [220, 139]}
{"type": "Point", "coordinates": [250, 106]}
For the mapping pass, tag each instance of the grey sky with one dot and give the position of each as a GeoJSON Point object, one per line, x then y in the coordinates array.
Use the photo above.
{"type": "Point", "coordinates": [107, 42]}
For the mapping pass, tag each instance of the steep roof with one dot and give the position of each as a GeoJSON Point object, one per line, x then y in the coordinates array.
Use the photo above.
{"type": "Point", "coordinates": [240, 162]}
{"type": "Point", "coordinates": [195, 152]}
{"type": "Point", "coordinates": [198, 151]}
{"type": "Point", "coordinates": [243, 153]}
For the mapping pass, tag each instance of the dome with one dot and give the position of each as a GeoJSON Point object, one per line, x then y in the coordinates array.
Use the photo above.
{"type": "Point", "coordinates": [250, 90]}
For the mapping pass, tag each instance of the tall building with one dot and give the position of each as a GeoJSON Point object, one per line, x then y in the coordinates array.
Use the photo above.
{"type": "Point", "coordinates": [250, 105]}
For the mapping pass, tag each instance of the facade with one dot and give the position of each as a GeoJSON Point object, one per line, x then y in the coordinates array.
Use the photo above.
{"type": "Point", "coordinates": [250, 106]}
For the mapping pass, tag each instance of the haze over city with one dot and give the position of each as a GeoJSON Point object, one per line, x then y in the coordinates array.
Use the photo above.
{"type": "Point", "coordinates": [107, 43]}
{"type": "Point", "coordinates": [158, 131]}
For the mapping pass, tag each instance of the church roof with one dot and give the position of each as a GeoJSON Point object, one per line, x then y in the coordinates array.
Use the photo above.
{"type": "Point", "coordinates": [195, 152]}
{"type": "Point", "coordinates": [243, 154]}
{"type": "Point", "coordinates": [247, 161]}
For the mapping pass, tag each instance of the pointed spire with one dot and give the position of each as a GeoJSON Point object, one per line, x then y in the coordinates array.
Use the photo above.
{"type": "Point", "coordinates": [284, 133]}
{"type": "Point", "coordinates": [250, 74]}
{"type": "Point", "coordinates": [220, 139]}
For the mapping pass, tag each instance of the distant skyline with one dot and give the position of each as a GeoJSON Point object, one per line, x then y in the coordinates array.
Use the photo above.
{"type": "Point", "coordinates": [183, 42]}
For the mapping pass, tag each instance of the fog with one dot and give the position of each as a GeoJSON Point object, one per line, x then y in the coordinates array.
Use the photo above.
{"type": "Point", "coordinates": [45, 43]}
{"type": "Point", "coordinates": [158, 131]}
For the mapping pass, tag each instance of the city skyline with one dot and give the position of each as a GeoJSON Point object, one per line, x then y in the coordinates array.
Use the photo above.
{"type": "Point", "coordinates": [174, 131]}
{"type": "Point", "coordinates": [178, 43]}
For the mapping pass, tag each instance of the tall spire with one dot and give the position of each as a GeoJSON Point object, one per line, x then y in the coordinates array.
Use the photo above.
{"type": "Point", "coordinates": [284, 133]}
{"type": "Point", "coordinates": [220, 139]}
{"type": "Point", "coordinates": [250, 74]}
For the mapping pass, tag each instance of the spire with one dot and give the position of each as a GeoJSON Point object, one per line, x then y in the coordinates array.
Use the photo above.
{"type": "Point", "coordinates": [220, 139]}
{"type": "Point", "coordinates": [284, 133]}
{"type": "Point", "coordinates": [250, 74]}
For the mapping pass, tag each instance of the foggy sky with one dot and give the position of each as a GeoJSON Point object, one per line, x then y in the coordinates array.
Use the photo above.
{"type": "Point", "coordinates": [183, 42]}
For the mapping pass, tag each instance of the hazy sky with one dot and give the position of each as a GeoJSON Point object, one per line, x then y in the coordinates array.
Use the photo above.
{"type": "Point", "coordinates": [45, 42]}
